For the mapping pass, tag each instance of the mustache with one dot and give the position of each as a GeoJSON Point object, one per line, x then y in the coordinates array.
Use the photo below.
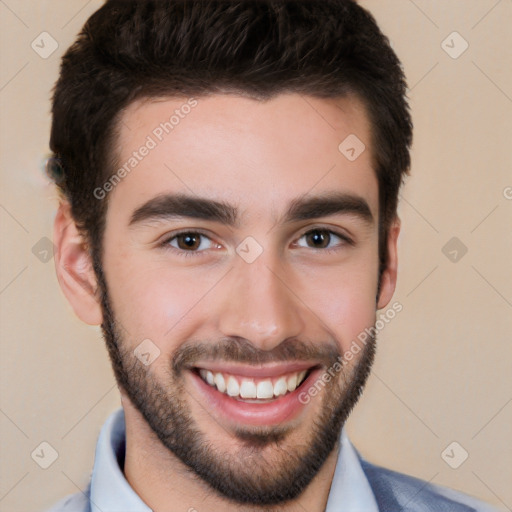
{"type": "Point", "coordinates": [240, 350]}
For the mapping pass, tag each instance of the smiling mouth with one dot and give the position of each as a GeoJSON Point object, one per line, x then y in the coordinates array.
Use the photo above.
{"type": "Point", "coordinates": [254, 390]}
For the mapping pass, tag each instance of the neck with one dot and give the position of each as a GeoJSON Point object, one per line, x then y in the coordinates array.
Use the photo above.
{"type": "Point", "coordinates": [160, 478]}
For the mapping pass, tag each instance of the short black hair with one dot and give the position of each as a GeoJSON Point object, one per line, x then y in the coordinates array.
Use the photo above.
{"type": "Point", "coordinates": [130, 49]}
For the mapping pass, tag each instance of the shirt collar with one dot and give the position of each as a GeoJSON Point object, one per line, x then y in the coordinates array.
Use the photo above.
{"type": "Point", "coordinates": [111, 492]}
{"type": "Point", "coordinates": [350, 489]}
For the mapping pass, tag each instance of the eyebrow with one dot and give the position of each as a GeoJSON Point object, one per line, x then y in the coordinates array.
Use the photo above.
{"type": "Point", "coordinates": [174, 206]}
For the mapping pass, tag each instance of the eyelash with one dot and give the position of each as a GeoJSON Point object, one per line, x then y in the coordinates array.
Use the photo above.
{"type": "Point", "coordinates": [186, 254]}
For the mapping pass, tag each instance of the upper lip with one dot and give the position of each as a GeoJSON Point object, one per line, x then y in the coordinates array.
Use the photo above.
{"type": "Point", "coordinates": [254, 371]}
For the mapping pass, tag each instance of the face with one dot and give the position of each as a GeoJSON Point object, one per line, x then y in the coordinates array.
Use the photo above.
{"type": "Point", "coordinates": [240, 262]}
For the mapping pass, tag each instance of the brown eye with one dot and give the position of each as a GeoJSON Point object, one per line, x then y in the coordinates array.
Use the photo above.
{"type": "Point", "coordinates": [323, 239]}
{"type": "Point", "coordinates": [188, 241]}
{"type": "Point", "coordinates": [319, 239]}
{"type": "Point", "coordinates": [191, 242]}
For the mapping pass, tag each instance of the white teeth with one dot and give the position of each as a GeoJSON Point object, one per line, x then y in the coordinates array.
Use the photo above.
{"type": "Point", "coordinates": [233, 388]}
{"type": "Point", "coordinates": [248, 389]}
{"type": "Point", "coordinates": [265, 389]}
{"type": "Point", "coordinates": [292, 382]}
{"type": "Point", "coordinates": [220, 382]}
{"type": "Point", "coordinates": [280, 387]}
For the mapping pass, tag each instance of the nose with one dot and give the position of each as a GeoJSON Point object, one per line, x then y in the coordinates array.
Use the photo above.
{"type": "Point", "coordinates": [258, 303]}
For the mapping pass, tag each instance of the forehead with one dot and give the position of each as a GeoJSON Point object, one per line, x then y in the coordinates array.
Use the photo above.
{"type": "Point", "coordinates": [232, 148]}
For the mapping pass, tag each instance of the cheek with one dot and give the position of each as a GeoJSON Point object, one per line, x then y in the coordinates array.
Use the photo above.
{"type": "Point", "coordinates": [345, 299]}
{"type": "Point", "coordinates": [153, 300]}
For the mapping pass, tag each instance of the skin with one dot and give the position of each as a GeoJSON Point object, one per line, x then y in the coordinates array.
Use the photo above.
{"type": "Point", "coordinates": [257, 156]}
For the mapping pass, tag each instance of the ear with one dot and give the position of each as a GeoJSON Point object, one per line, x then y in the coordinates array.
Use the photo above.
{"type": "Point", "coordinates": [74, 267]}
{"type": "Point", "coordinates": [389, 274]}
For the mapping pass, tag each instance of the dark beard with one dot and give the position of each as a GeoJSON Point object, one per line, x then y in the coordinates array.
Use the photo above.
{"type": "Point", "coordinates": [247, 477]}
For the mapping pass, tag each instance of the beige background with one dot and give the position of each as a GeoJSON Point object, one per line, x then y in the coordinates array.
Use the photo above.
{"type": "Point", "coordinates": [443, 371]}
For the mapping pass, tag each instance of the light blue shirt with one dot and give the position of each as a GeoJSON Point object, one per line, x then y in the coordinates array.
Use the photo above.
{"type": "Point", "coordinates": [111, 492]}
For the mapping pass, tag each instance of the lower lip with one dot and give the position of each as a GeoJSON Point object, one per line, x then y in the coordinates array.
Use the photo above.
{"type": "Point", "coordinates": [277, 411]}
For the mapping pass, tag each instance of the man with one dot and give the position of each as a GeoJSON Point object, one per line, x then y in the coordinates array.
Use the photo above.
{"type": "Point", "coordinates": [229, 174]}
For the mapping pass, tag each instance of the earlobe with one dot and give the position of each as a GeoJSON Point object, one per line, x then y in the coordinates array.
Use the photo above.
{"type": "Point", "coordinates": [389, 274]}
{"type": "Point", "coordinates": [74, 267]}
